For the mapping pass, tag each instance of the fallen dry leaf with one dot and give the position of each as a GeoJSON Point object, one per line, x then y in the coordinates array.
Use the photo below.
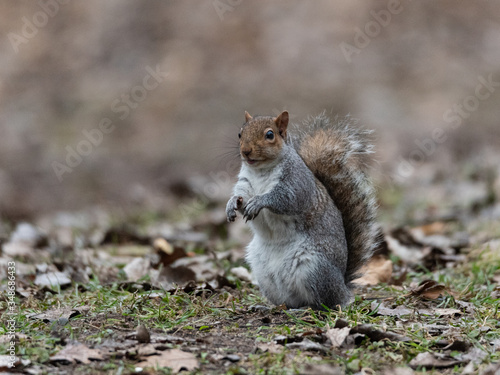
{"type": "Point", "coordinates": [323, 369]}
{"type": "Point", "coordinates": [457, 345]}
{"type": "Point", "coordinates": [399, 278]}
{"type": "Point", "coordinates": [177, 275]}
{"type": "Point", "coordinates": [378, 270]}
{"type": "Point", "coordinates": [52, 279]}
{"type": "Point", "coordinates": [337, 336]}
{"type": "Point", "coordinates": [493, 369]}
{"type": "Point", "coordinates": [376, 334]}
{"type": "Point", "coordinates": [146, 350]}
{"type": "Point", "coordinates": [475, 355]}
{"type": "Point", "coordinates": [269, 347]}
{"type": "Point", "coordinates": [17, 249]}
{"type": "Point", "coordinates": [401, 310]}
{"type": "Point", "coordinates": [29, 234]}
{"type": "Point", "coordinates": [386, 311]}
{"type": "Point", "coordinates": [430, 360]}
{"type": "Point", "coordinates": [5, 361]}
{"type": "Point", "coordinates": [204, 267]}
{"type": "Point", "coordinates": [77, 352]}
{"type": "Point", "coordinates": [56, 314]}
{"type": "Point", "coordinates": [241, 273]}
{"type": "Point", "coordinates": [398, 371]}
{"type": "Point", "coordinates": [123, 235]}
{"type": "Point", "coordinates": [408, 253]}
{"type": "Point", "coordinates": [176, 359]}
{"type": "Point", "coordinates": [307, 344]}
{"type": "Point", "coordinates": [429, 289]}
{"type": "Point", "coordinates": [437, 227]}
{"type": "Point", "coordinates": [161, 244]}
{"type": "Point", "coordinates": [439, 312]}
{"type": "Point", "coordinates": [137, 268]}
{"type": "Point", "coordinates": [170, 339]}
{"type": "Point", "coordinates": [168, 254]}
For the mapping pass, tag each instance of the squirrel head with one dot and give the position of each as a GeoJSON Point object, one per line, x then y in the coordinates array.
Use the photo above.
{"type": "Point", "coordinates": [262, 138]}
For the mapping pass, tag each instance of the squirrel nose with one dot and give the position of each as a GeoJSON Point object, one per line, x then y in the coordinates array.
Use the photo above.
{"type": "Point", "coordinates": [246, 152]}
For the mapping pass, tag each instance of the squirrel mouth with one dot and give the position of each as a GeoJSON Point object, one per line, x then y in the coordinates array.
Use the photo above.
{"type": "Point", "coordinates": [251, 161]}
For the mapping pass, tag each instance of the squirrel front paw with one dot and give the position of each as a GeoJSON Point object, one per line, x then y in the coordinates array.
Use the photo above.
{"type": "Point", "coordinates": [253, 208]}
{"type": "Point", "coordinates": [234, 204]}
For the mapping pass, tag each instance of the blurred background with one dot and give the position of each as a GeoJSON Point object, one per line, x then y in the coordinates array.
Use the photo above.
{"type": "Point", "coordinates": [135, 104]}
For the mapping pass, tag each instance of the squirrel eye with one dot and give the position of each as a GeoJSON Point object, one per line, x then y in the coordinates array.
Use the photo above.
{"type": "Point", "coordinates": [270, 135]}
{"type": "Point", "coordinates": [239, 135]}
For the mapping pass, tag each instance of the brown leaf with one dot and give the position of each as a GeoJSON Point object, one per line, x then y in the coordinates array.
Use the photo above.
{"type": "Point", "coordinates": [376, 334]}
{"type": "Point", "coordinates": [429, 360]}
{"type": "Point", "coordinates": [204, 267]}
{"type": "Point", "coordinates": [437, 227]}
{"type": "Point", "coordinates": [399, 278]}
{"type": "Point", "coordinates": [176, 359]}
{"type": "Point", "coordinates": [269, 347]}
{"type": "Point", "coordinates": [146, 350]}
{"type": "Point", "coordinates": [123, 235]}
{"type": "Point", "coordinates": [168, 253]}
{"type": "Point", "coordinates": [429, 289]}
{"type": "Point", "coordinates": [458, 345]}
{"type": "Point", "coordinates": [77, 353]}
{"type": "Point", "coordinates": [178, 275]}
{"type": "Point", "coordinates": [378, 270]}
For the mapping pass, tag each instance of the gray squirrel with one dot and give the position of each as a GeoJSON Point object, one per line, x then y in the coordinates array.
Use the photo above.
{"type": "Point", "coordinates": [310, 206]}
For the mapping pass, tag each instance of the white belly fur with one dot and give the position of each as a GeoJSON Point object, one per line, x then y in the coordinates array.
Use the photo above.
{"type": "Point", "coordinates": [280, 259]}
{"type": "Point", "coordinates": [278, 254]}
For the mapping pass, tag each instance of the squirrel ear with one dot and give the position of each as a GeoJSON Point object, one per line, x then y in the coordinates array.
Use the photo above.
{"type": "Point", "coordinates": [282, 123]}
{"type": "Point", "coordinates": [247, 116]}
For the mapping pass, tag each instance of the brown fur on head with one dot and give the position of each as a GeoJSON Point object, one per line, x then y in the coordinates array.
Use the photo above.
{"type": "Point", "coordinates": [262, 137]}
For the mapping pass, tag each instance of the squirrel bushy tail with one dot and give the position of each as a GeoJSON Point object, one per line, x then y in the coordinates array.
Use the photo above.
{"type": "Point", "coordinates": [336, 152]}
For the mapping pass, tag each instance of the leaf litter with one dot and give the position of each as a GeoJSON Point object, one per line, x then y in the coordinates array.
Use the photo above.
{"type": "Point", "coordinates": [181, 297]}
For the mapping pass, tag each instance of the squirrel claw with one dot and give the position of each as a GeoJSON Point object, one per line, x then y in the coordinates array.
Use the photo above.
{"type": "Point", "coordinates": [233, 205]}
{"type": "Point", "coordinates": [252, 209]}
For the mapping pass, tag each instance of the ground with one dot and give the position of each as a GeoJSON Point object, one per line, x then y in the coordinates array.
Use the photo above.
{"type": "Point", "coordinates": [152, 293]}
